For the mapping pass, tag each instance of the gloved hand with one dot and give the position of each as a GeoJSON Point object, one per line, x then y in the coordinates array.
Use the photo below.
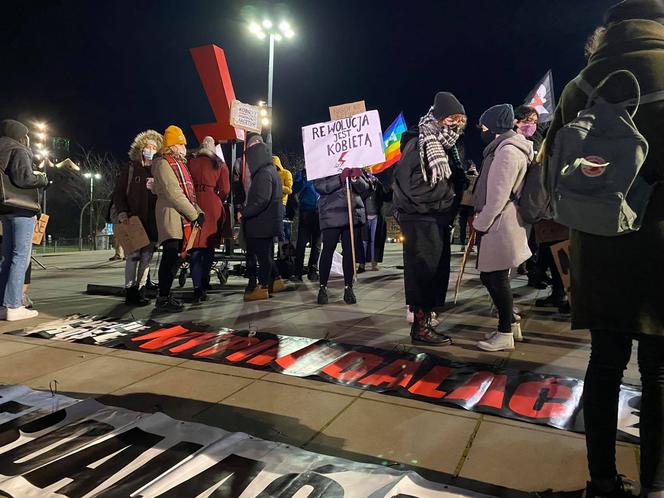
{"type": "Point", "coordinates": [351, 173]}
{"type": "Point", "coordinates": [198, 221]}
{"type": "Point", "coordinates": [123, 218]}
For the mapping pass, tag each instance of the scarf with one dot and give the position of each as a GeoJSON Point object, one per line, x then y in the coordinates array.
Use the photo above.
{"type": "Point", "coordinates": [433, 141]}
{"type": "Point", "coordinates": [184, 178]}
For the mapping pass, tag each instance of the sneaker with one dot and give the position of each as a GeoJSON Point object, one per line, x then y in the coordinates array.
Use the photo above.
{"type": "Point", "coordinates": [374, 267]}
{"type": "Point", "coordinates": [361, 269]}
{"type": "Point", "coordinates": [20, 313]}
{"type": "Point", "coordinates": [623, 489]}
{"type": "Point", "coordinates": [410, 317]}
{"type": "Point", "coordinates": [516, 332]}
{"type": "Point", "coordinates": [313, 275]}
{"type": "Point", "coordinates": [257, 294]}
{"type": "Point", "coordinates": [349, 296]}
{"type": "Point", "coordinates": [322, 295]}
{"type": "Point", "coordinates": [498, 342]}
{"type": "Point", "coordinates": [423, 332]}
{"type": "Point", "coordinates": [115, 258]}
{"type": "Point", "coordinates": [550, 302]}
{"type": "Point", "coordinates": [168, 305]}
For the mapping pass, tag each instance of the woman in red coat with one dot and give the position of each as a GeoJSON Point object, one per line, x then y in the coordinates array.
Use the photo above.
{"type": "Point", "coordinates": [211, 181]}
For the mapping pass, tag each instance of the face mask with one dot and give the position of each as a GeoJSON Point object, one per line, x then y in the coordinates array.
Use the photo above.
{"type": "Point", "coordinates": [148, 154]}
{"type": "Point", "coordinates": [182, 150]}
{"type": "Point", "coordinates": [488, 137]}
{"type": "Point", "coordinates": [528, 129]}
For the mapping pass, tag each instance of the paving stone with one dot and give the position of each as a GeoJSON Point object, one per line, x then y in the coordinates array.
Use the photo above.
{"type": "Point", "coordinates": [35, 362]}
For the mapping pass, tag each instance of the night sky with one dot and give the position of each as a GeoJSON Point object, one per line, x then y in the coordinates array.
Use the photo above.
{"type": "Point", "coordinates": [101, 71]}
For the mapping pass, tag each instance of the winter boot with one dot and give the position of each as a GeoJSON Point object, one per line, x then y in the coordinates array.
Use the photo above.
{"type": "Point", "coordinates": [349, 295]}
{"type": "Point", "coordinates": [423, 332]}
{"type": "Point", "coordinates": [257, 294]}
{"type": "Point", "coordinates": [410, 317]}
{"type": "Point", "coordinates": [200, 296]}
{"type": "Point", "coordinates": [141, 298]}
{"type": "Point", "coordinates": [313, 275]}
{"type": "Point", "coordinates": [134, 297]}
{"type": "Point", "coordinates": [20, 313]}
{"type": "Point", "coordinates": [621, 489]}
{"type": "Point", "coordinates": [550, 302]}
{"type": "Point", "coordinates": [168, 304]}
{"type": "Point", "coordinates": [498, 342]}
{"type": "Point", "coordinates": [277, 286]}
{"type": "Point", "coordinates": [322, 295]}
{"type": "Point", "coordinates": [361, 269]}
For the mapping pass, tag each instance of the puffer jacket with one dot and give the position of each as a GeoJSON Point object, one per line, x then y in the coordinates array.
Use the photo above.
{"type": "Point", "coordinates": [264, 212]}
{"type": "Point", "coordinates": [286, 178]}
{"type": "Point", "coordinates": [333, 202]}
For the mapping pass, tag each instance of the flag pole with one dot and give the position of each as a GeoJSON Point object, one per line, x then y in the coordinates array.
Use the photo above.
{"type": "Point", "coordinates": [350, 224]}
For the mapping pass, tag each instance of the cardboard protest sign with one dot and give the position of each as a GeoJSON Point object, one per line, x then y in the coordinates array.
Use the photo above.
{"type": "Point", "coordinates": [40, 229]}
{"type": "Point", "coordinates": [245, 116]}
{"type": "Point", "coordinates": [347, 110]}
{"type": "Point", "coordinates": [131, 235]}
{"type": "Point", "coordinates": [353, 142]}
{"type": "Point", "coordinates": [560, 253]}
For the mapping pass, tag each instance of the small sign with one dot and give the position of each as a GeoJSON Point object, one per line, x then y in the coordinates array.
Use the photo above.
{"type": "Point", "coordinates": [347, 110]}
{"type": "Point", "coordinates": [40, 229]}
{"type": "Point", "coordinates": [131, 235]}
{"type": "Point", "coordinates": [245, 116]}
{"type": "Point", "coordinates": [561, 257]}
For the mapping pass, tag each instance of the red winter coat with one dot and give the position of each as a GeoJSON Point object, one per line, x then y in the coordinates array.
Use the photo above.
{"type": "Point", "coordinates": [210, 177]}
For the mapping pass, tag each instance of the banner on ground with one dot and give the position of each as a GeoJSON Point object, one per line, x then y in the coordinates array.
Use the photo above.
{"type": "Point", "coordinates": [392, 143]}
{"type": "Point", "coordinates": [53, 446]}
{"type": "Point", "coordinates": [541, 98]}
{"type": "Point", "coordinates": [533, 397]}
{"type": "Point", "coordinates": [353, 142]}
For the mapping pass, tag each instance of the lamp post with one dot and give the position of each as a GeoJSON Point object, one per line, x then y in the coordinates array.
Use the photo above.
{"type": "Point", "coordinates": [92, 177]}
{"type": "Point", "coordinates": [267, 29]}
{"type": "Point", "coordinates": [41, 155]}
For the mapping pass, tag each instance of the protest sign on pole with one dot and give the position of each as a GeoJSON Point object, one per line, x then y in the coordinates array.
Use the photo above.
{"type": "Point", "coordinates": [40, 229]}
{"type": "Point", "coordinates": [347, 110]}
{"type": "Point", "coordinates": [353, 142]}
{"type": "Point", "coordinates": [245, 116]}
{"type": "Point", "coordinates": [560, 253]}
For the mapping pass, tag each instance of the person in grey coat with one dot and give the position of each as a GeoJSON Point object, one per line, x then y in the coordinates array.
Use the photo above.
{"type": "Point", "coordinates": [503, 235]}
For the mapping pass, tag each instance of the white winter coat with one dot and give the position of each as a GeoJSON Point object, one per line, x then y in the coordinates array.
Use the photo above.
{"type": "Point", "coordinates": [505, 243]}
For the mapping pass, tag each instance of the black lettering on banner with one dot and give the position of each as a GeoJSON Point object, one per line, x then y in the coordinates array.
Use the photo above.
{"type": "Point", "coordinates": [238, 472]}
{"type": "Point", "coordinates": [13, 407]}
{"type": "Point", "coordinates": [82, 433]}
{"type": "Point", "coordinates": [129, 444]}
{"type": "Point", "coordinates": [287, 485]}
{"type": "Point", "coordinates": [9, 431]}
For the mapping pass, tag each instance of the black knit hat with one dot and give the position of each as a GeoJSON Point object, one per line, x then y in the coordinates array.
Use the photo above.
{"type": "Point", "coordinates": [635, 9]}
{"type": "Point", "coordinates": [498, 119]}
{"type": "Point", "coordinates": [13, 129]}
{"type": "Point", "coordinates": [445, 104]}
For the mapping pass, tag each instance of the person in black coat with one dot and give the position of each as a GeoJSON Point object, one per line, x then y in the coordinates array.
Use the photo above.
{"type": "Point", "coordinates": [262, 219]}
{"type": "Point", "coordinates": [334, 225]}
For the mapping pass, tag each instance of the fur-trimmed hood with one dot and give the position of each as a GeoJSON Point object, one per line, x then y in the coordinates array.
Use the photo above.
{"type": "Point", "coordinates": [136, 149]}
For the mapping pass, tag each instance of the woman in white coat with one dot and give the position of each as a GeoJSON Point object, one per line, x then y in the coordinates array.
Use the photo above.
{"type": "Point", "coordinates": [503, 236]}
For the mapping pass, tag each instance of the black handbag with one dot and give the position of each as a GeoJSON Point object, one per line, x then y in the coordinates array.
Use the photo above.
{"type": "Point", "coordinates": [13, 197]}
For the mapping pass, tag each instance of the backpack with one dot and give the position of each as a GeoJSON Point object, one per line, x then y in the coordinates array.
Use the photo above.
{"type": "Point", "coordinates": [533, 201]}
{"type": "Point", "coordinates": [593, 177]}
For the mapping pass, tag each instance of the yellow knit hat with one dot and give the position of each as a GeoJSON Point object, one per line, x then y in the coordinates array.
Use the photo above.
{"type": "Point", "coordinates": [174, 136]}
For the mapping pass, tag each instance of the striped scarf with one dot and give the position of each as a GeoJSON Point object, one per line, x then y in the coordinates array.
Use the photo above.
{"type": "Point", "coordinates": [184, 178]}
{"type": "Point", "coordinates": [433, 141]}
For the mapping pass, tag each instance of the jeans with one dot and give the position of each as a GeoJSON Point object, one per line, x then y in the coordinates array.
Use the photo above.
{"type": "Point", "coordinates": [200, 262]}
{"type": "Point", "coordinates": [137, 267]}
{"type": "Point", "coordinates": [16, 250]}
{"type": "Point", "coordinates": [331, 237]}
{"type": "Point", "coordinates": [261, 251]}
{"type": "Point", "coordinates": [498, 285]}
{"type": "Point", "coordinates": [308, 231]}
{"type": "Point", "coordinates": [167, 268]}
{"type": "Point", "coordinates": [370, 245]}
{"type": "Point", "coordinates": [608, 359]}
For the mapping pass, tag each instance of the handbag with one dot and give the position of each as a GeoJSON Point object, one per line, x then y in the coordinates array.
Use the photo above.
{"type": "Point", "coordinates": [13, 197]}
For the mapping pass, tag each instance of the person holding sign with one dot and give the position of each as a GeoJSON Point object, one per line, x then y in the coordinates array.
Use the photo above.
{"type": "Point", "coordinates": [424, 195]}
{"type": "Point", "coordinates": [334, 225]}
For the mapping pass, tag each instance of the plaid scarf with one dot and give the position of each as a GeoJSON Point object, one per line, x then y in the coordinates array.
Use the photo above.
{"type": "Point", "coordinates": [433, 141]}
{"type": "Point", "coordinates": [184, 178]}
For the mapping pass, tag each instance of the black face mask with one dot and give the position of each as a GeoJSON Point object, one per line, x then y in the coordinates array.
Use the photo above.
{"type": "Point", "coordinates": [487, 137]}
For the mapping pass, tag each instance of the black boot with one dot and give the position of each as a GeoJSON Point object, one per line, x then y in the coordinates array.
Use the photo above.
{"type": "Point", "coordinates": [550, 302]}
{"type": "Point", "coordinates": [349, 295]}
{"type": "Point", "coordinates": [141, 298]}
{"type": "Point", "coordinates": [200, 295]}
{"type": "Point", "coordinates": [423, 332]}
{"type": "Point", "coordinates": [168, 304]}
{"type": "Point", "coordinates": [322, 295]}
{"type": "Point", "coordinates": [536, 283]}
{"type": "Point", "coordinates": [313, 275]}
{"type": "Point", "coordinates": [621, 489]}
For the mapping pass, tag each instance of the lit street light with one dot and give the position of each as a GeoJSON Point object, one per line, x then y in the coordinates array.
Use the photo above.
{"type": "Point", "coordinates": [261, 31]}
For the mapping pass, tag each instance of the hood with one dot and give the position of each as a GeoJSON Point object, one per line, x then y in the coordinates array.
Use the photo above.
{"type": "Point", "coordinates": [520, 142]}
{"type": "Point", "coordinates": [7, 146]}
{"type": "Point", "coordinates": [408, 135]}
{"type": "Point", "coordinates": [205, 152]}
{"type": "Point", "coordinates": [277, 162]}
{"type": "Point", "coordinates": [491, 148]}
{"type": "Point", "coordinates": [136, 148]}
{"type": "Point", "coordinates": [258, 156]}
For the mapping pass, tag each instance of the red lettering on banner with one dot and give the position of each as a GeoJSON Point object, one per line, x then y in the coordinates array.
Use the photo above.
{"type": "Point", "coordinates": [476, 385]}
{"type": "Point", "coordinates": [250, 351]}
{"type": "Point", "coordinates": [545, 399]}
{"type": "Point", "coordinates": [352, 366]}
{"type": "Point", "coordinates": [230, 342]}
{"type": "Point", "coordinates": [399, 372]}
{"type": "Point", "coordinates": [495, 395]}
{"type": "Point", "coordinates": [428, 385]}
{"type": "Point", "coordinates": [202, 338]}
{"type": "Point", "coordinates": [162, 337]}
{"type": "Point", "coordinates": [260, 360]}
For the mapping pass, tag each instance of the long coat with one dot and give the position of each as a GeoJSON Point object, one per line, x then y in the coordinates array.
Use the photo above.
{"type": "Point", "coordinates": [618, 282]}
{"type": "Point", "coordinates": [504, 244]}
{"type": "Point", "coordinates": [132, 196]}
{"type": "Point", "coordinates": [212, 184]}
{"type": "Point", "coordinates": [262, 216]}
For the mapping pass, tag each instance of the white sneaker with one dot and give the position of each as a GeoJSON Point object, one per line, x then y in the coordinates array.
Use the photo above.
{"type": "Point", "coordinates": [498, 342]}
{"type": "Point", "coordinates": [516, 332]}
{"type": "Point", "coordinates": [410, 317]}
{"type": "Point", "coordinates": [21, 313]}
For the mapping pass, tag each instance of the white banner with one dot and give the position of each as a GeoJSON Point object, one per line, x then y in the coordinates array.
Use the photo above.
{"type": "Point", "coordinates": [353, 142]}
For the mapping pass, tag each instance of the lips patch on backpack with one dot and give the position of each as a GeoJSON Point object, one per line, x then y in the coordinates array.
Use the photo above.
{"type": "Point", "coordinates": [593, 166]}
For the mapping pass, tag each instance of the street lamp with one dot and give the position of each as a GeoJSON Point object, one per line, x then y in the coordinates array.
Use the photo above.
{"type": "Point", "coordinates": [92, 177]}
{"type": "Point", "coordinates": [276, 33]}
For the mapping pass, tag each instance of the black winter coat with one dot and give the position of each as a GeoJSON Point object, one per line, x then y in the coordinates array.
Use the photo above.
{"type": "Point", "coordinates": [132, 196]}
{"type": "Point", "coordinates": [333, 202]}
{"type": "Point", "coordinates": [16, 163]}
{"type": "Point", "coordinates": [263, 214]}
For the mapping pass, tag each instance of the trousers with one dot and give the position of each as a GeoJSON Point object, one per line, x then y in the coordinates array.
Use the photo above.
{"type": "Point", "coordinates": [498, 285]}
{"type": "Point", "coordinates": [137, 267]}
{"type": "Point", "coordinates": [331, 237]}
{"type": "Point", "coordinates": [169, 259]}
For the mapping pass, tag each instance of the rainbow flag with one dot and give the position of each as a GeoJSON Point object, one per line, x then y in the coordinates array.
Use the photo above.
{"type": "Point", "coordinates": [392, 139]}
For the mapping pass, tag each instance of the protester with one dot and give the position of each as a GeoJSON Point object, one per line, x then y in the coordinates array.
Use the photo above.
{"type": "Point", "coordinates": [286, 178]}
{"type": "Point", "coordinates": [335, 225]}
{"type": "Point", "coordinates": [424, 199]}
{"type": "Point", "coordinates": [176, 211]}
{"type": "Point", "coordinates": [212, 184]}
{"type": "Point", "coordinates": [133, 197]}
{"type": "Point", "coordinates": [262, 220]}
{"type": "Point", "coordinates": [618, 282]}
{"type": "Point", "coordinates": [308, 226]}
{"type": "Point", "coordinates": [374, 233]}
{"type": "Point", "coordinates": [503, 236]}
{"type": "Point", "coordinates": [18, 224]}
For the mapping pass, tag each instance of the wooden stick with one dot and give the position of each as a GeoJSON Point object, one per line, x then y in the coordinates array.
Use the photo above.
{"type": "Point", "coordinates": [352, 228]}
{"type": "Point", "coordinates": [471, 242]}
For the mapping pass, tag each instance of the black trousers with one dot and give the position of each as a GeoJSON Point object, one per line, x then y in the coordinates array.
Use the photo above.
{"type": "Point", "coordinates": [308, 231]}
{"type": "Point", "coordinates": [261, 251]}
{"type": "Point", "coordinates": [608, 359]}
{"type": "Point", "coordinates": [169, 258]}
{"type": "Point", "coordinates": [426, 259]}
{"type": "Point", "coordinates": [546, 261]}
{"type": "Point", "coordinates": [331, 237]}
{"type": "Point", "coordinates": [498, 285]}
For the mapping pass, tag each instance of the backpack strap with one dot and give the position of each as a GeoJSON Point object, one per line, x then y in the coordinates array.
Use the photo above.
{"type": "Point", "coordinates": [648, 98]}
{"type": "Point", "coordinates": [595, 93]}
